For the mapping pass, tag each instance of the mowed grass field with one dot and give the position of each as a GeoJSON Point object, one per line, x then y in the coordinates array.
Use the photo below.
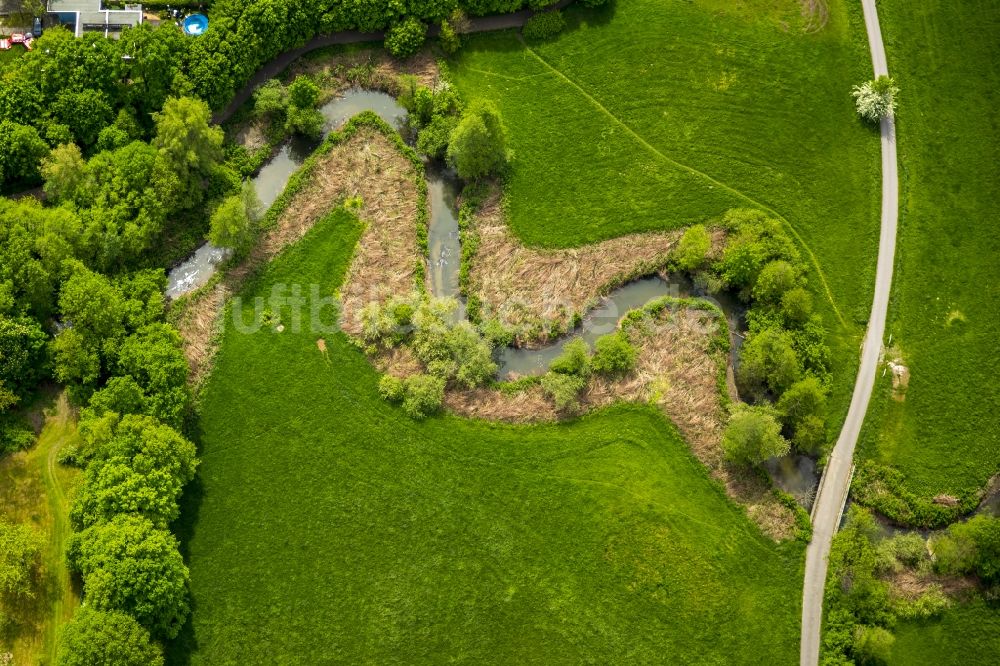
{"type": "Point", "coordinates": [963, 636]}
{"type": "Point", "coordinates": [657, 114]}
{"type": "Point", "coordinates": [326, 526]}
{"type": "Point", "coordinates": [945, 435]}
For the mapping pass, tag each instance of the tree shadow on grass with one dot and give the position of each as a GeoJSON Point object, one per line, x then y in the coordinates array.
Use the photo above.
{"type": "Point", "coordinates": [178, 651]}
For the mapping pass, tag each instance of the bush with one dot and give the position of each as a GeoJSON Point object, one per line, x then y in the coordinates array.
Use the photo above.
{"type": "Point", "coordinates": [422, 395]}
{"type": "Point", "coordinates": [768, 362]}
{"type": "Point", "coordinates": [271, 98]}
{"type": "Point", "coordinates": [752, 436]}
{"type": "Point", "coordinates": [774, 280]}
{"type": "Point", "coordinates": [96, 637]}
{"type": "Point", "coordinates": [613, 354]}
{"type": "Point", "coordinates": [391, 388]}
{"type": "Point", "coordinates": [303, 93]}
{"type": "Point", "coordinates": [404, 38]}
{"type": "Point", "coordinates": [477, 146]}
{"type": "Point", "coordinates": [573, 360]}
{"type": "Point", "coordinates": [306, 122]}
{"type": "Point", "coordinates": [876, 99]}
{"type": "Point", "coordinates": [20, 557]}
{"type": "Point", "coordinates": [230, 225]}
{"type": "Point", "coordinates": [803, 399]}
{"type": "Point", "coordinates": [796, 306]}
{"type": "Point", "coordinates": [873, 645]}
{"type": "Point", "coordinates": [450, 350]}
{"type": "Point", "coordinates": [432, 140]}
{"type": "Point", "coordinates": [450, 41]}
{"type": "Point", "coordinates": [564, 390]}
{"type": "Point", "coordinates": [693, 248]}
{"type": "Point", "coordinates": [545, 25]}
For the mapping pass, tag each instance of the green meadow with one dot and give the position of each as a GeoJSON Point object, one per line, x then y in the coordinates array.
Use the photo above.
{"type": "Point", "coordinates": [963, 636]}
{"type": "Point", "coordinates": [328, 526]}
{"type": "Point", "coordinates": [944, 436]}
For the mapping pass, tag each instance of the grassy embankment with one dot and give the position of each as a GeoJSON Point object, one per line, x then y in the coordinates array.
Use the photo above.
{"type": "Point", "coordinates": [329, 526]}
{"type": "Point", "coordinates": [35, 489]}
{"type": "Point", "coordinates": [656, 114]}
{"type": "Point", "coordinates": [943, 435]}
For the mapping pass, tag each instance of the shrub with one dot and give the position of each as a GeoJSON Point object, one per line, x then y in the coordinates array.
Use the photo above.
{"type": "Point", "coordinates": [796, 306]}
{"type": "Point", "coordinates": [564, 390]}
{"type": "Point", "coordinates": [693, 248]}
{"type": "Point", "coordinates": [422, 395]}
{"type": "Point", "coordinates": [230, 224]}
{"type": "Point", "coordinates": [594, 3]}
{"type": "Point", "coordinates": [432, 140]}
{"type": "Point", "coordinates": [271, 98]}
{"type": "Point", "coordinates": [478, 145]}
{"type": "Point", "coordinates": [20, 557]}
{"type": "Point", "coordinates": [873, 645]}
{"type": "Point", "coordinates": [768, 362]}
{"type": "Point", "coordinates": [931, 603]}
{"type": "Point", "coordinates": [450, 350]}
{"type": "Point", "coordinates": [390, 388]}
{"type": "Point", "coordinates": [613, 354]}
{"type": "Point", "coordinates": [573, 360]}
{"type": "Point", "coordinates": [450, 41]}
{"type": "Point", "coordinates": [756, 240]}
{"type": "Point", "coordinates": [876, 99]}
{"type": "Point", "coordinates": [303, 93]}
{"type": "Point", "coordinates": [804, 398]}
{"type": "Point", "coordinates": [774, 280]}
{"type": "Point", "coordinates": [96, 637]}
{"type": "Point", "coordinates": [752, 436]}
{"type": "Point", "coordinates": [404, 38]}
{"type": "Point", "coordinates": [307, 122]}
{"type": "Point", "coordinates": [544, 25]}
{"type": "Point", "coordinates": [809, 435]}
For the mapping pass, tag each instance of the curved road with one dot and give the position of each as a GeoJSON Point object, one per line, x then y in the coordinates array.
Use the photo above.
{"type": "Point", "coordinates": [836, 480]}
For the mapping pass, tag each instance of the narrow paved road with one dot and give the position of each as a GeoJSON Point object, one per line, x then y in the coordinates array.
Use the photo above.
{"type": "Point", "coordinates": [836, 479]}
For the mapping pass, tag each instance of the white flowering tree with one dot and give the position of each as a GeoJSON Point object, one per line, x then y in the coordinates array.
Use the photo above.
{"type": "Point", "coordinates": [876, 99]}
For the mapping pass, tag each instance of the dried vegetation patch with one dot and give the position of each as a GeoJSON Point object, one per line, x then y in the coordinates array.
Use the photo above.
{"type": "Point", "coordinates": [367, 166]}
{"type": "Point", "coordinates": [537, 292]}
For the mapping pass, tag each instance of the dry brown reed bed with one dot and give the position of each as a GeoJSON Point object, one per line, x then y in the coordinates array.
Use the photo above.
{"type": "Point", "coordinates": [368, 166]}
{"type": "Point", "coordinates": [536, 292]}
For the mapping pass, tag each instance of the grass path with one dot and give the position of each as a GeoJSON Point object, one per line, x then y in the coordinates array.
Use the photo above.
{"type": "Point", "coordinates": [59, 428]}
{"type": "Point", "coordinates": [36, 490]}
{"type": "Point", "coordinates": [732, 190]}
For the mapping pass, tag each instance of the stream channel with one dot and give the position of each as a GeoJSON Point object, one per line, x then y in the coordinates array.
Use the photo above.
{"type": "Point", "coordinates": [794, 474]}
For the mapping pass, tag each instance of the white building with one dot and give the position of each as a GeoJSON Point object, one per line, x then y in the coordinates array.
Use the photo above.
{"type": "Point", "coordinates": [91, 15]}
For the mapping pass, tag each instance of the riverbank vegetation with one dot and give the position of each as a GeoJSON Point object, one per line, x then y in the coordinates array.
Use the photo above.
{"type": "Point", "coordinates": [932, 429]}
{"type": "Point", "coordinates": [608, 518]}
{"type": "Point", "coordinates": [878, 582]}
